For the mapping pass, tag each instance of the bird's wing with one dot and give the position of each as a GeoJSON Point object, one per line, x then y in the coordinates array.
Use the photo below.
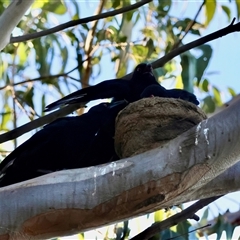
{"type": "Point", "coordinates": [107, 89]}
{"type": "Point", "coordinates": [155, 90]}
{"type": "Point", "coordinates": [184, 95]}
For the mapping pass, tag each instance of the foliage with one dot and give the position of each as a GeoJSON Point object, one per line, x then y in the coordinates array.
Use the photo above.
{"type": "Point", "coordinates": [34, 73]}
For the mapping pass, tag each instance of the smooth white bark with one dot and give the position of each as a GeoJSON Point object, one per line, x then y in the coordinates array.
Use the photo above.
{"type": "Point", "coordinates": [71, 201]}
{"type": "Point", "coordinates": [10, 18]}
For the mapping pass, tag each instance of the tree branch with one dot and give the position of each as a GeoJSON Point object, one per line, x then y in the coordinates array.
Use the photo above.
{"type": "Point", "coordinates": [10, 18]}
{"type": "Point", "coordinates": [55, 204]}
{"type": "Point", "coordinates": [77, 22]}
{"type": "Point", "coordinates": [189, 26]}
{"type": "Point", "coordinates": [39, 122]}
{"type": "Point", "coordinates": [46, 77]}
{"type": "Point", "coordinates": [89, 45]}
{"type": "Point", "coordinates": [43, 78]}
{"type": "Point", "coordinates": [174, 220]}
{"type": "Point", "coordinates": [229, 29]}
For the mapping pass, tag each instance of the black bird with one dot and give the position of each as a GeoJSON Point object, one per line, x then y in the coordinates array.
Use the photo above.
{"type": "Point", "coordinates": [160, 91]}
{"type": "Point", "coordinates": [66, 143]}
{"type": "Point", "coordinates": [118, 89]}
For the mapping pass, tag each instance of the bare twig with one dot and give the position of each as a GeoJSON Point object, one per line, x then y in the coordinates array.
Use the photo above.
{"type": "Point", "coordinates": [196, 229]}
{"type": "Point", "coordinates": [21, 107]}
{"type": "Point", "coordinates": [41, 79]}
{"type": "Point", "coordinates": [89, 45]}
{"type": "Point", "coordinates": [13, 93]}
{"type": "Point", "coordinates": [179, 217]}
{"type": "Point", "coordinates": [77, 22]}
{"type": "Point", "coordinates": [47, 77]}
{"type": "Point", "coordinates": [189, 26]}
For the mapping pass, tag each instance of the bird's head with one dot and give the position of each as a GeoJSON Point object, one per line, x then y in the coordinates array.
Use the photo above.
{"type": "Point", "coordinates": [142, 78]}
{"type": "Point", "coordinates": [143, 69]}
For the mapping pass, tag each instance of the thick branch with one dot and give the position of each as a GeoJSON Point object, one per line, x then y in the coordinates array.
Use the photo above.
{"type": "Point", "coordinates": [68, 202]}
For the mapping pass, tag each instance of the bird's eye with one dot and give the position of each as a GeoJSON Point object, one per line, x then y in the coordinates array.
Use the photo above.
{"type": "Point", "coordinates": [139, 69]}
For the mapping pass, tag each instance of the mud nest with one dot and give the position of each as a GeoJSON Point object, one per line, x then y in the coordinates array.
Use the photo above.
{"type": "Point", "coordinates": [151, 122]}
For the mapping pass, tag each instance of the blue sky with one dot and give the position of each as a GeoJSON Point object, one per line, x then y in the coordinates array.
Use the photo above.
{"type": "Point", "coordinates": [224, 64]}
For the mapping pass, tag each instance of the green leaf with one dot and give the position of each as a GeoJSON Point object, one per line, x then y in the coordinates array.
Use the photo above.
{"type": "Point", "coordinates": [237, 2]}
{"type": "Point", "coordinates": [204, 219]}
{"type": "Point", "coordinates": [122, 70]}
{"type": "Point", "coordinates": [205, 84]}
{"type": "Point", "coordinates": [6, 117]}
{"type": "Point", "coordinates": [188, 62]}
{"type": "Point", "coordinates": [168, 234]}
{"type": "Point", "coordinates": [181, 25]}
{"type": "Point", "coordinates": [22, 53]}
{"type": "Point", "coordinates": [232, 92]}
{"type": "Point", "coordinates": [28, 97]}
{"type": "Point", "coordinates": [203, 61]}
{"type": "Point", "coordinates": [80, 236]}
{"type": "Point", "coordinates": [38, 4]}
{"type": "Point", "coordinates": [159, 72]}
{"type": "Point", "coordinates": [64, 55]}
{"type": "Point", "coordinates": [210, 8]}
{"type": "Point", "coordinates": [229, 228]}
{"type": "Point", "coordinates": [55, 7]}
{"type": "Point", "coordinates": [148, 32]}
{"type": "Point", "coordinates": [116, 3]}
{"type": "Point", "coordinates": [43, 102]}
{"type": "Point", "coordinates": [218, 227]}
{"type": "Point", "coordinates": [139, 52]}
{"type": "Point", "coordinates": [159, 215]}
{"type": "Point", "coordinates": [41, 55]}
{"type": "Point", "coordinates": [151, 48]}
{"type": "Point", "coordinates": [217, 96]}
{"type": "Point", "coordinates": [182, 228]}
{"type": "Point", "coordinates": [129, 15]}
{"type": "Point", "coordinates": [163, 7]}
{"type": "Point", "coordinates": [208, 105]}
{"type": "Point", "coordinates": [112, 33]}
{"type": "Point", "coordinates": [227, 11]}
{"type": "Point", "coordinates": [76, 9]}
